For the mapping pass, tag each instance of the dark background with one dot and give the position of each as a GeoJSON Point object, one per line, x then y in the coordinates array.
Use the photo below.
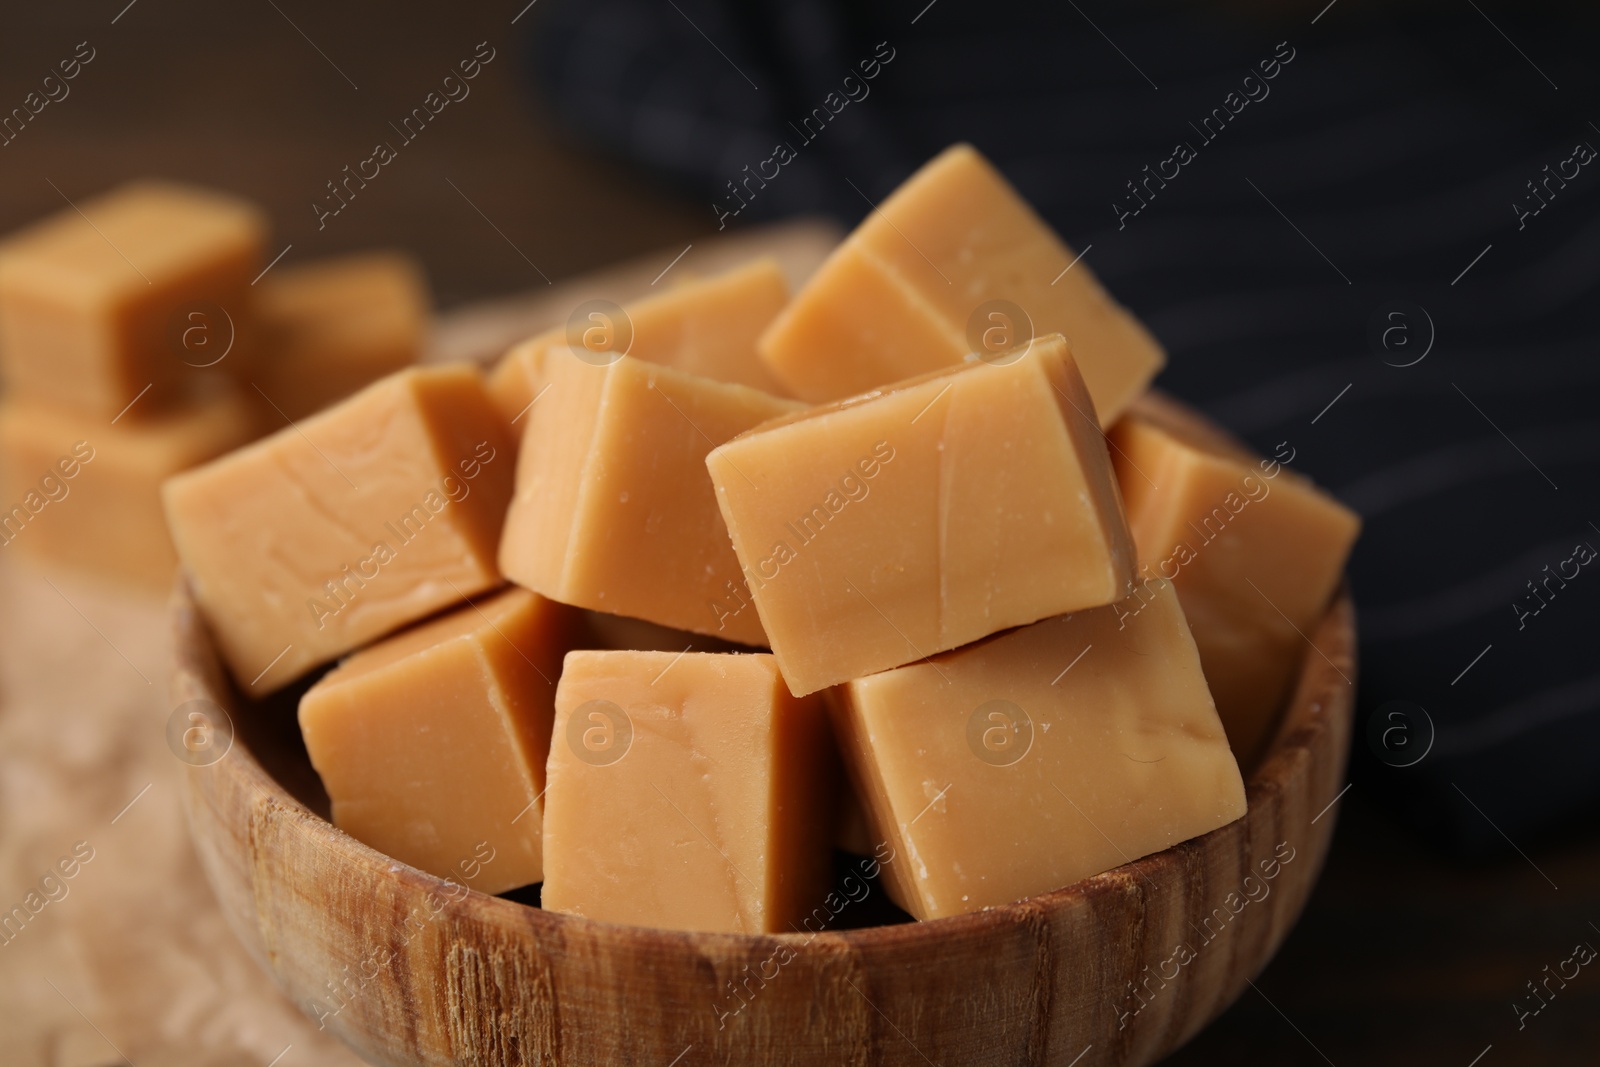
{"type": "Point", "coordinates": [1428, 921]}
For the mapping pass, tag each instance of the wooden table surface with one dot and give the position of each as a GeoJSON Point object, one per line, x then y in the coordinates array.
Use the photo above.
{"type": "Point", "coordinates": [1404, 956]}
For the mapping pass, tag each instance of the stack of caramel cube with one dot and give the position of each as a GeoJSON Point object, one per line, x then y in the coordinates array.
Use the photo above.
{"type": "Point", "coordinates": [927, 510]}
{"type": "Point", "coordinates": [140, 337]}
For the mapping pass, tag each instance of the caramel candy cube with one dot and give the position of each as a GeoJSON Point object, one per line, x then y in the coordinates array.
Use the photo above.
{"type": "Point", "coordinates": [688, 791]}
{"type": "Point", "coordinates": [85, 494]}
{"type": "Point", "coordinates": [707, 326]}
{"type": "Point", "coordinates": [331, 327]}
{"type": "Point", "coordinates": [432, 743]}
{"type": "Point", "coordinates": [954, 261]}
{"type": "Point", "coordinates": [1254, 551]}
{"type": "Point", "coordinates": [889, 527]}
{"type": "Point", "coordinates": [93, 300]}
{"type": "Point", "coordinates": [1039, 757]}
{"type": "Point", "coordinates": [614, 510]}
{"type": "Point", "coordinates": [345, 527]}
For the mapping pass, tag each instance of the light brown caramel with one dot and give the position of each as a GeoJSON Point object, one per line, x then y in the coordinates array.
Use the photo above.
{"type": "Point", "coordinates": [432, 743]}
{"type": "Point", "coordinates": [1255, 552]}
{"type": "Point", "coordinates": [347, 526]}
{"type": "Point", "coordinates": [898, 524]}
{"type": "Point", "coordinates": [95, 300]}
{"type": "Point", "coordinates": [706, 326]}
{"type": "Point", "coordinates": [1039, 757]}
{"type": "Point", "coordinates": [330, 327]}
{"type": "Point", "coordinates": [939, 269]}
{"type": "Point", "coordinates": [688, 791]}
{"type": "Point", "coordinates": [614, 510]}
{"type": "Point", "coordinates": [84, 493]}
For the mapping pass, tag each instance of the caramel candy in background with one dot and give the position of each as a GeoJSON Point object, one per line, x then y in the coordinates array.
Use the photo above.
{"type": "Point", "coordinates": [614, 510]}
{"type": "Point", "coordinates": [432, 743]}
{"type": "Point", "coordinates": [920, 277]}
{"type": "Point", "coordinates": [93, 299]}
{"type": "Point", "coordinates": [1254, 551]}
{"type": "Point", "coordinates": [1013, 767]}
{"type": "Point", "coordinates": [688, 791]}
{"type": "Point", "coordinates": [886, 528]}
{"type": "Point", "coordinates": [706, 326]}
{"type": "Point", "coordinates": [79, 492]}
{"type": "Point", "coordinates": [340, 529]}
{"type": "Point", "coordinates": [332, 326]}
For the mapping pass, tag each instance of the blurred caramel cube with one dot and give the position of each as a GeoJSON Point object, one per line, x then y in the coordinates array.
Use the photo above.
{"type": "Point", "coordinates": [331, 327]}
{"type": "Point", "coordinates": [86, 494]}
{"type": "Point", "coordinates": [139, 287]}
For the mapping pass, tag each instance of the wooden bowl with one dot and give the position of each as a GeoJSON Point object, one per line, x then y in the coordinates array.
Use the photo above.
{"type": "Point", "coordinates": [1121, 968]}
{"type": "Point", "coordinates": [408, 969]}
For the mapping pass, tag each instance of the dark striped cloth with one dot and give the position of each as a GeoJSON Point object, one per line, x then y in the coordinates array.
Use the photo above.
{"type": "Point", "coordinates": [1357, 191]}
